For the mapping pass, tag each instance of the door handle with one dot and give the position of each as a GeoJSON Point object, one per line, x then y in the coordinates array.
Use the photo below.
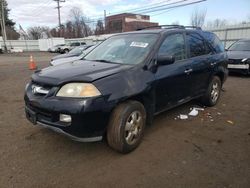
{"type": "Point", "coordinates": [187, 71]}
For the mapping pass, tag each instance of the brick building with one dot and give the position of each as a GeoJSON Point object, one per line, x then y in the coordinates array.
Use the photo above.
{"type": "Point", "coordinates": [127, 22]}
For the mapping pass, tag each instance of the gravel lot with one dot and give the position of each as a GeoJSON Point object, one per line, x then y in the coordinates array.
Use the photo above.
{"type": "Point", "coordinates": [203, 151]}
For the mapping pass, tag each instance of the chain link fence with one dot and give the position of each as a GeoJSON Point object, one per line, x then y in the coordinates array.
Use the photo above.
{"type": "Point", "coordinates": [230, 34]}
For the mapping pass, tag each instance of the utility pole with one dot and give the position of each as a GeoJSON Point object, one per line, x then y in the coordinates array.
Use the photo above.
{"type": "Point", "coordinates": [59, 13]}
{"type": "Point", "coordinates": [105, 21]}
{"type": "Point", "coordinates": [3, 25]}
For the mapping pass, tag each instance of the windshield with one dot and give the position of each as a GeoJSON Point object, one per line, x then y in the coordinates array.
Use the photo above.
{"type": "Point", "coordinates": [77, 50]}
{"type": "Point", "coordinates": [86, 51]}
{"type": "Point", "coordinates": [123, 49]}
{"type": "Point", "coordinates": [240, 46]}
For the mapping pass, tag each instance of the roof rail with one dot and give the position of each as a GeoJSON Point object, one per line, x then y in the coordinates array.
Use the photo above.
{"type": "Point", "coordinates": [170, 27]}
{"type": "Point", "coordinates": [163, 26]}
{"type": "Point", "coordinates": [192, 27]}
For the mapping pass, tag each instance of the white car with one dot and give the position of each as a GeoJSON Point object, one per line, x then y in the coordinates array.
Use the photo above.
{"type": "Point", "coordinates": [67, 48]}
{"type": "Point", "coordinates": [56, 48]}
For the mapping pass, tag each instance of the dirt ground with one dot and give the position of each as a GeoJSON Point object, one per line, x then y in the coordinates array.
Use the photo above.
{"type": "Point", "coordinates": [199, 152]}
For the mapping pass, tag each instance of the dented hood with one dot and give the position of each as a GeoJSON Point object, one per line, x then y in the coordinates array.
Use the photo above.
{"type": "Point", "coordinates": [82, 71]}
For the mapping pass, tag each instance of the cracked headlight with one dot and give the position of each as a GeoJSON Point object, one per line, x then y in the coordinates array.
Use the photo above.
{"type": "Point", "coordinates": [78, 90]}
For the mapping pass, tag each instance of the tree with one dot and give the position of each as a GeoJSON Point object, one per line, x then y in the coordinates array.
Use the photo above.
{"type": "Point", "coordinates": [79, 22]}
{"type": "Point", "coordinates": [198, 17]}
{"type": "Point", "coordinates": [76, 27]}
{"type": "Point", "coordinates": [10, 29]}
{"type": "Point", "coordinates": [38, 32]}
{"type": "Point", "coordinates": [99, 28]}
{"type": "Point", "coordinates": [217, 23]}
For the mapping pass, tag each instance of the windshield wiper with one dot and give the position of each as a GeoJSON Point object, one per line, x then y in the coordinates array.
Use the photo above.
{"type": "Point", "coordinates": [105, 61]}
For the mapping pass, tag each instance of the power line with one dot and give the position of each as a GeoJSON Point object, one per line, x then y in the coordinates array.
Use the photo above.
{"type": "Point", "coordinates": [177, 6]}
{"type": "Point", "coordinates": [154, 8]}
{"type": "Point", "coordinates": [41, 4]}
{"type": "Point", "coordinates": [148, 9]}
{"type": "Point", "coordinates": [139, 8]}
{"type": "Point", "coordinates": [134, 9]}
{"type": "Point", "coordinates": [40, 10]}
{"type": "Point", "coordinates": [159, 8]}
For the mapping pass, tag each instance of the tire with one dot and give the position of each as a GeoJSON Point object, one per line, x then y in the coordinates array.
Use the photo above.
{"type": "Point", "coordinates": [212, 95]}
{"type": "Point", "coordinates": [65, 51]}
{"type": "Point", "coordinates": [126, 126]}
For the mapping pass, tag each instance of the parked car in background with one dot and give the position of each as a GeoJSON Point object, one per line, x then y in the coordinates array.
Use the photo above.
{"type": "Point", "coordinates": [67, 48]}
{"type": "Point", "coordinates": [122, 83]}
{"type": "Point", "coordinates": [74, 52]}
{"type": "Point", "coordinates": [239, 56]}
{"type": "Point", "coordinates": [56, 48]}
{"type": "Point", "coordinates": [68, 59]}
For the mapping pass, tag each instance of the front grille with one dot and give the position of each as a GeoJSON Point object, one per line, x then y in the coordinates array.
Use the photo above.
{"type": "Point", "coordinates": [42, 114]}
{"type": "Point", "coordinates": [39, 89]}
{"type": "Point", "coordinates": [40, 111]}
{"type": "Point", "coordinates": [235, 61]}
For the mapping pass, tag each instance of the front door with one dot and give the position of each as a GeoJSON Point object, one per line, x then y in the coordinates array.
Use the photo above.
{"type": "Point", "coordinates": [172, 81]}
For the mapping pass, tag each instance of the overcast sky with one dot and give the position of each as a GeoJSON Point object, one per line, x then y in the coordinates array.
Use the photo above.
{"type": "Point", "coordinates": [42, 12]}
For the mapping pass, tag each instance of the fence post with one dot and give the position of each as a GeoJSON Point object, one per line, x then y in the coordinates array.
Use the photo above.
{"type": "Point", "coordinates": [225, 41]}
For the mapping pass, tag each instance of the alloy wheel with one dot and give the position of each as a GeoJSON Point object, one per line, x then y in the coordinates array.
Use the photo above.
{"type": "Point", "coordinates": [215, 92]}
{"type": "Point", "coordinates": [133, 127]}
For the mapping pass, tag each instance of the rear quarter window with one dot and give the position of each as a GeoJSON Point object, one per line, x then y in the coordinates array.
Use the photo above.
{"type": "Point", "coordinates": [214, 41]}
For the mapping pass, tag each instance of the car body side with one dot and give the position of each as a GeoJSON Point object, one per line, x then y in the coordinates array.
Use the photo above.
{"type": "Point", "coordinates": [143, 84]}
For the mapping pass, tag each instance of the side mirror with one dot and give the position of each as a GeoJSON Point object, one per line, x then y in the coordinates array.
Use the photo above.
{"type": "Point", "coordinates": [226, 49]}
{"type": "Point", "coordinates": [165, 60]}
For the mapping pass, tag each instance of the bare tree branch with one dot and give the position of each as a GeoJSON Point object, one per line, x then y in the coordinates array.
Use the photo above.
{"type": "Point", "coordinates": [198, 17]}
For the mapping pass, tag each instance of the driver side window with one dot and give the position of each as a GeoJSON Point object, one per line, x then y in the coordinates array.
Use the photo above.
{"type": "Point", "coordinates": [173, 45]}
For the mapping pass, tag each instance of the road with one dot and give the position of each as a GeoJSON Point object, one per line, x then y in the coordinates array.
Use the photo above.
{"type": "Point", "coordinates": [210, 150]}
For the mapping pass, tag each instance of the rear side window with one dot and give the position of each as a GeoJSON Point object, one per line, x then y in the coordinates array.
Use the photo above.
{"type": "Point", "coordinates": [75, 44]}
{"type": "Point", "coordinates": [173, 45]}
{"type": "Point", "coordinates": [197, 45]}
{"type": "Point", "coordinates": [214, 42]}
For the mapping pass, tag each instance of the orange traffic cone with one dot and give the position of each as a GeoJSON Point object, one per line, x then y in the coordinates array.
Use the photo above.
{"type": "Point", "coordinates": [32, 64]}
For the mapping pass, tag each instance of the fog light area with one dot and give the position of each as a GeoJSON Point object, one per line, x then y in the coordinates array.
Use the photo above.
{"type": "Point", "coordinates": [65, 118]}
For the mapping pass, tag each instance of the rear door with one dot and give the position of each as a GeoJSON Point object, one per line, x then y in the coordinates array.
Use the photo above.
{"type": "Point", "coordinates": [200, 58]}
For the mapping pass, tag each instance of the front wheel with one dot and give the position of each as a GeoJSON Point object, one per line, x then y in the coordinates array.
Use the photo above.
{"type": "Point", "coordinates": [65, 51]}
{"type": "Point", "coordinates": [126, 126]}
{"type": "Point", "coordinates": [213, 92]}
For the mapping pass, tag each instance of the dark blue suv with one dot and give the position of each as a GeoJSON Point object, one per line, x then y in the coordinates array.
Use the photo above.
{"type": "Point", "coordinates": [127, 79]}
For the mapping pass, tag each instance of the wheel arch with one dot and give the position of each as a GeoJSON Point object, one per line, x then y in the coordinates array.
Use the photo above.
{"type": "Point", "coordinates": [148, 101]}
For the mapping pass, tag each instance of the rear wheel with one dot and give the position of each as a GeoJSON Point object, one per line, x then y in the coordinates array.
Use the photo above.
{"type": "Point", "coordinates": [213, 92]}
{"type": "Point", "coordinates": [126, 126]}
